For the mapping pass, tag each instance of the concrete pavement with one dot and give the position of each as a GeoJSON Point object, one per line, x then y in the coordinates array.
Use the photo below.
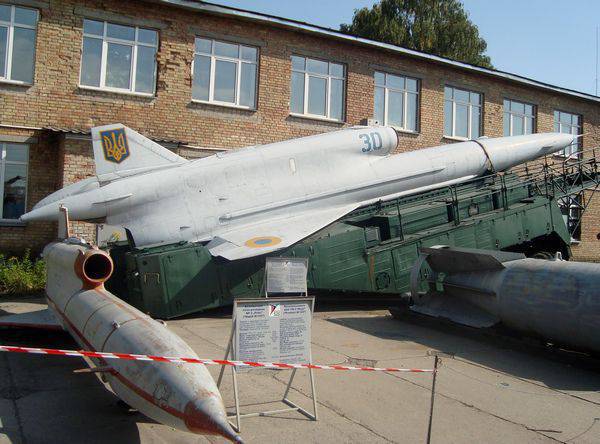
{"type": "Point", "coordinates": [491, 391]}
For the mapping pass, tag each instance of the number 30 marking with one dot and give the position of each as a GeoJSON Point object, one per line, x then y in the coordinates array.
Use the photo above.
{"type": "Point", "coordinates": [372, 142]}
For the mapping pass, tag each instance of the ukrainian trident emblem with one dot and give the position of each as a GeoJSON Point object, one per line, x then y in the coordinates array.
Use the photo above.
{"type": "Point", "coordinates": [114, 145]}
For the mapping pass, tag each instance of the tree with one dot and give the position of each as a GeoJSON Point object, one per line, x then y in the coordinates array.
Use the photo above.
{"type": "Point", "coordinates": [440, 27]}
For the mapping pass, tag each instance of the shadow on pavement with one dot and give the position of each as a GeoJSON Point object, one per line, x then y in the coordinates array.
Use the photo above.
{"type": "Point", "coordinates": [519, 357]}
{"type": "Point", "coordinates": [42, 400]}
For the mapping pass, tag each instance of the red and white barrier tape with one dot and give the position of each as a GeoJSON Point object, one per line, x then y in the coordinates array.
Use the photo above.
{"type": "Point", "coordinates": [133, 357]}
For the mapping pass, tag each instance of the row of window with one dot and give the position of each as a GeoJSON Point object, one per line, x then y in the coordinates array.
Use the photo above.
{"type": "Point", "coordinates": [123, 59]}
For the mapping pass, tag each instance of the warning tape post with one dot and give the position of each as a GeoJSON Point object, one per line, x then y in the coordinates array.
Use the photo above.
{"type": "Point", "coordinates": [179, 360]}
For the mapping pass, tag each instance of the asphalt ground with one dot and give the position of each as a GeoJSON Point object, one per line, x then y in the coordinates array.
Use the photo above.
{"type": "Point", "coordinates": [490, 390]}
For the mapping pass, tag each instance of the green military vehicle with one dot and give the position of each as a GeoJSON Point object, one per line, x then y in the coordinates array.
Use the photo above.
{"type": "Point", "coordinates": [370, 251]}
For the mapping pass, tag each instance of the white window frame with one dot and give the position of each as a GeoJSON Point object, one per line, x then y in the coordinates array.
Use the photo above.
{"type": "Point", "coordinates": [9, 43]}
{"type": "Point", "coordinates": [238, 71]}
{"type": "Point", "coordinates": [3, 163]}
{"type": "Point", "coordinates": [569, 151]}
{"type": "Point", "coordinates": [405, 94]}
{"type": "Point", "coordinates": [470, 114]}
{"type": "Point", "coordinates": [328, 78]}
{"type": "Point", "coordinates": [133, 66]}
{"type": "Point", "coordinates": [524, 116]}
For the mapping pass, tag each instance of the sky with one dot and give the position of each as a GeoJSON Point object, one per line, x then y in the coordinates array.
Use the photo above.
{"type": "Point", "coordinates": [552, 41]}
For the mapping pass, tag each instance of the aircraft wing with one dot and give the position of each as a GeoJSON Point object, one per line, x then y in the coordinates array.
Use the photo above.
{"type": "Point", "coordinates": [41, 319]}
{"type": "Point", "coordinates": [265, 237]}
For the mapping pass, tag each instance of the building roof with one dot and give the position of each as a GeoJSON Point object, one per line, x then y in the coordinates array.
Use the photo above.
{"type": "Point", "coordinates": [215, 9]}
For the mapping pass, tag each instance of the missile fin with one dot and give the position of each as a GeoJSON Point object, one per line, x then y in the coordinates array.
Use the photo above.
{"type": "Point", "coordinates": [456, 310]}
{"type": "Point", "coordinates": [104, 369]}
{"type": "Point", "coordinates": [120, 151]}
{"type": "Point", "coordinates": [112, 199]}
{"type": "Point", "coordinates": [462, 260]}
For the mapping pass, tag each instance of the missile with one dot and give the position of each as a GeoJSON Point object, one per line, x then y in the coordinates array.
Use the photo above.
{"type": "Point", "coordinates": [554, 300]}
{"type": "Point", "coordinates": [182, 396]}
{"type": "Point", "coordinates": [259, 199]}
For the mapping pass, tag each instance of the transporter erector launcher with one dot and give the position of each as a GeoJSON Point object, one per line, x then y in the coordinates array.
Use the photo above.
{"type": "Point", "coordinates": [259, 199]}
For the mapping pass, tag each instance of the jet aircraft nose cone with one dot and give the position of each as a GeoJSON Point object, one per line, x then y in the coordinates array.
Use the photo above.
{"type": "Point", "coordinates": [47, 212]}
{"type": "Point", "coordinates": [207, 417]}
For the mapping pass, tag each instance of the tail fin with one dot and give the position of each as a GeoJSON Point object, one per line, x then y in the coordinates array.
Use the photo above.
{"type": "Point", "coordinates": [120, 151]}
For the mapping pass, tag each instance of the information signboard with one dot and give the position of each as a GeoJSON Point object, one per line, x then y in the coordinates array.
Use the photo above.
{"type": "Point", "coordinates": [286, 275]}
{"type": "Point", "coordinates": [273, 330]}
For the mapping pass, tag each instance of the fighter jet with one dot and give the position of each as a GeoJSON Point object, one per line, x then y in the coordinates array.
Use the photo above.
{"type": "Point", "coordinates": [259, 199]}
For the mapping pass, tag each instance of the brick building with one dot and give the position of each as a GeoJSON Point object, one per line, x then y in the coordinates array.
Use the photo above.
{"type": "Point", "coordinates": [198, 77]}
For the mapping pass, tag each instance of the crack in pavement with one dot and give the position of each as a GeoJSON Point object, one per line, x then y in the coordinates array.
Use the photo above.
{"type": "Point", "coordinates": [585, 431]}
{"type": "Point", "coordinates": [186, 328]}
{"type": "Point", "coordinates": [329, 407]}
{"type": "Point", "coordinates": [472, 406]}
{"type": "Point", "coordinates": [14, 401]}
{"type": "Point", "coordinates": [336, 411]}
{"type": "Point", "coordinates": [330, 349]}
{"type": "Point", "coordinates": [537, 384]}
{"type": "Point", "coordinates": [333, 409]}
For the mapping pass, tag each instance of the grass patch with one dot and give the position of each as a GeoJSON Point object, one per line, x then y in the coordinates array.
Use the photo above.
{"type": "Point", "coordinates": [21, 275]}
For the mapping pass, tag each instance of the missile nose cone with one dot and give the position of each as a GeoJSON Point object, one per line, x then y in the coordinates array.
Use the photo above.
{"type": "Point", "coordinates": [558, 141]}
{"type": "Point", "coordinates": [208, 417]}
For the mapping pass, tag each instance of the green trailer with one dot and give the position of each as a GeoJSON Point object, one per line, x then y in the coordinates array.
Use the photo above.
{"type": "Point", "coordinates": [370, 251]}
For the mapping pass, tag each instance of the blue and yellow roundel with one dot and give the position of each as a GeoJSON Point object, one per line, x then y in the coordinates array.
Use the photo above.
{"type": "Point", "coordinates": [114, 145]}
{"type": "Point", "coordinates": [263, 241]}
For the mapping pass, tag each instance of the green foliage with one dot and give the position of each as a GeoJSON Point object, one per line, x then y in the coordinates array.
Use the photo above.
{"type": "Point", "coordinates": [21, 275]}
{"type": "Point", "coordinates": [440, 27]}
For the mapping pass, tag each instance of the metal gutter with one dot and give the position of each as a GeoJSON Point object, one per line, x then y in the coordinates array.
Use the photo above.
{"type": "Point", "coordinates": [215, 9]}
{"type": "Point", "coordinates": [32, 128]}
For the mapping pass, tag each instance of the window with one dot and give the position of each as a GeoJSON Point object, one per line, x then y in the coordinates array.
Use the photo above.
{"type": "Point", "coordinates": [13, 172]}
{"type": "Point", "coordinates": [317, 88]}
{"type": "Point", "coordinates": [462, 113]}
{"type": "Point", "coordinates": [396, 101]}
{"type": "Point", "coordinates": [224, 73]}
{"type": "Point", "coordinates": [118, 58]}
{"type": "Point", "coordinates": [17, 43]}
{"type": "Point", "coordinates": [569, 124]}
{"type": "Point", "coordinates": [519, 118]}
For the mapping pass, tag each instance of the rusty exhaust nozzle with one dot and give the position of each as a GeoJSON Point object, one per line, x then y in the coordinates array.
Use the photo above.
{"type": "Point", "coordinates": [94, 267]}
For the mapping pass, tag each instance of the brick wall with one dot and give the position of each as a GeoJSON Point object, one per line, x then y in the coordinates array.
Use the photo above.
{"type": "Point", "coordinates": [77, 158]}
{"type": "Point", "coordinates": [56, 100]}
{"type": "Point", "coordinates": [43, 180]}
{"type": "Point", "coordinates": [589, 248]}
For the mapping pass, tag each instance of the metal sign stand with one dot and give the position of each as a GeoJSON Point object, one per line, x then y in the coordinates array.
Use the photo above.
{"type": "Point", "coordinates": [231, 352]}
